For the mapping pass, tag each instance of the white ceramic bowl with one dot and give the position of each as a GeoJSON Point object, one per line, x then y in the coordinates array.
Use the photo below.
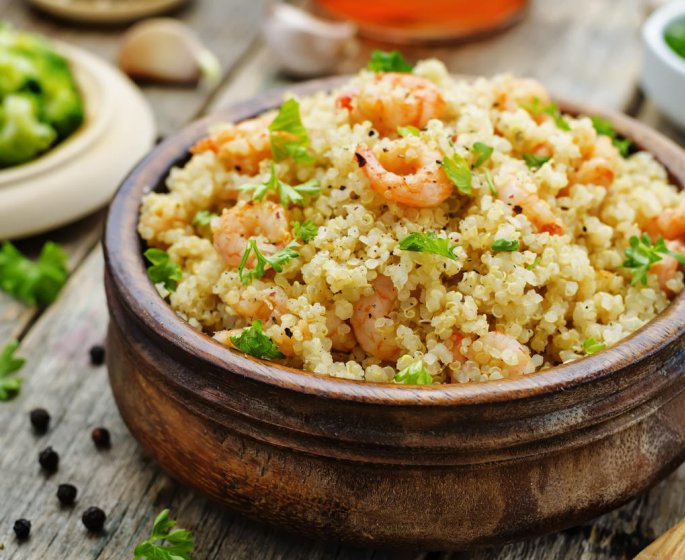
{"type": "Point", "coordinates": [80, 174]}
{"type": "Point", "coordinates": [663, 71]}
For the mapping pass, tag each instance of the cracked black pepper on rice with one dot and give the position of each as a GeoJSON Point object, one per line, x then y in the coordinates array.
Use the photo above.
{"type": "Point", "coordinates": [417, 229]}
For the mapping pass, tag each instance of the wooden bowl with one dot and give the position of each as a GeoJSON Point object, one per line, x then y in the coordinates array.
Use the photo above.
{"type": "Point", "coordinates": [438, 467]}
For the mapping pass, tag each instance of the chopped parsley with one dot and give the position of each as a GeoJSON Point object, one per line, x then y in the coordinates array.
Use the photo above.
{"type": "Point", "coordinates": [591, 346]}
{"type": "Point", "coordinates": [428, 243]}
{"type": "Point", "coordinates": [33, 282]}
{"type": "Point", "coordinates": [505, 245]}
{"type": "Point", "coordinates": [674, 35]}
{"type": "Point", "coordinates": [165, 542]}
{"type": "Point", "coordinates": [276, 261]}
{"type": "Point", "coordinates": [408, 130]}
{"type": "Point", "coordinates": [458, 171]}
{"type": "Point", "coordinates": [254, 342]}
{"type": "Point", "coordinates": [392, 61]}
{"type": "Point", "coordinates": [642, 254]}
{"type": "Point", "coordinates": [483, 151]}
{"type": "Point", "coordinates": [203, 218]}
{"type": "Point", "coordinates": [535, 162]}
{"type": "Point", "coordinates": [536, 108]}
{"type": "Point", "coordinates": [415, 374]}
{"type": "Point", "coordinates": [536, 262]}
{"type": "Point", "coordinates": [491, 184]}
{"type": "Point", "coordinates": [287, 194]}
{"type": "Point", "coordinates": [305, 231]}
{"type": "Point", "coordinates": [163, 270]}
{"type": "Point", "coordinates": [288, 135]}
{"type": "Point", "coordinates": [9, 364]}
{"type": "Point", "coordinates": [604, 127]}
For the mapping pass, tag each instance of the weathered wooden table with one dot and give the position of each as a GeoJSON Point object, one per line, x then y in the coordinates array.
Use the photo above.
{"type": "Point", "coordinates": [585, 49]}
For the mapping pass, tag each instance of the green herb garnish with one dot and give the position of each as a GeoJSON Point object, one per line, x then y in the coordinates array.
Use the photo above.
{"type": "Point", "coordinates": [276, 261]}
{"type": "Point", "coordinates": [305, 231]}
{"type": "Point", "coordinates": [674, 35]}
{"type": "Point", "coordinates": [254, 342]}
{"type": "Point", "coordinates": [458, 171]}
{"type": "Point", "coordinates": [34, 283]}
{"type": "Point", "coordinates": [408, 130]}
{"type": "Point", "coordinates": [428, 243]}
{"type": "Point", "coordinates": [415, 374]}
{"type": "Point", "coordinates": [287, 194]}
{"type": "Point", "coordinates": [642, 254]}
{"type": "Point", "coordinates": [392, 61]}
{"type": "Point", "coordinates": [591, 346]}
{"type": "Point", "coordinates": [535, 162]}
{"type": "Point", "coordinates": [491, 184]}
{"type": "Point", "coordinates": [163, 270]}
{"type": "Point", "coordinates": [203, 218]}
{"type": "Point", "coordinates": [505, 245]}
{"type": "Point", "coordinates": [483, 151]}
{"type": "Point", "coordinates": [288, 135]}
{"type": "Point", "coordinates": [536, 108]}
{"type": "Point", "coordinates": [536, 262]}
{"type": "Point", "coordinates": [176, 544]}
{"type": "Point", "coordinates": [10, 386]}
{"type": "Point", "coordinates": [604, 127]}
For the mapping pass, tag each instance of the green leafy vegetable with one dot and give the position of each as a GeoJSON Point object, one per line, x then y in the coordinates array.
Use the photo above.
{"type": "Point", "coordinates": [428, 243]}
{"type": "Point", "coordinates": [674, 35]}
{"type": "Point", "coordinates": [10, 386]}
{"type": "Point", "coordinates": [458, 171]}
{"type": "Point", "coordinates": [591, 346]}
{"type": "Point", "coordinates": [163, 270]}
{"type": "Point", "coordinates": [408, 130]}
{"type": "Point", "coordinates": [287, 194]}
{"type": "Point", "coordinates": [277, 261]}
{"type": "Point", "coordinates": [415, 374]}
{"type": "Point", "coordinates": [604, 127]}
{"type": "Point", "coordinates": [305, 231]}
{"type": "Point", "coordinates": [393, 61]}
{"type": "Point", "coordinates": [288, 135]}
{"type": "Point", "coordinates": [34, 283]}
{"type": "Point", "coordinates": [483, 151]}
{"type": "Point", "coordinates": [536, 262]}
{"type": "Point", "coordinates": [254, 342]}
{"type": "Point", "coordinates": [491, 185]}
{"type": "Point", "coordinates": [537, 108]}
{"type": "Point", "coordinates": [535, 162]}
{"type": "Point", "coordinates": [642, 254]}
{"type": "Point", "coordinates": [203, 218]}
{"type": "Point", "coordinates": [505, 245]}
{"type": "Point", "coordinates": [176, 544]}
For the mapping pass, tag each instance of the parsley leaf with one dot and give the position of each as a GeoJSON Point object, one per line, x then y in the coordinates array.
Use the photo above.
{"type": "Point", "coordinates": [415, 374]}
{"type": "Point", "coordinates": [288, 135]}
{"type": "Point", "coordinates": [591, 346]}
{"type": "Point", "coordinates": [33, 282]}
{"type": "Point", "coordinates": [536, 108]}
{"type": "Point", "coordinates": [408, 130]}
{"type": "Point", "coordinates": [491, 185]}
{"type": "Point", "coordinates": [428, 243]}
{"type": "Point", "coordinates": [641, 255]}
{"type": "Point", "coordinates": [305, 231]}
{"type": "Point", "coordinates": [674, 35]}
{"type": "Point", "coordinates": [536, 262]}
{"type": "Point", "coordinates": [535, 162]}
{"type": "Point", "coordinates": [203, 218]}
{"type": "Point", "coordinates": [287, 194]}
{"type": "Point", "coordinates": [604, 127]}
{"type": "Point", "coordinates": [505, 245]}
{"type": "Point", "coordinates": [163, 270]}
{"type": "Point", "coordinates": [178, 545]}
{"type": "Point", "coordinates": [277, 261]}
{"type": "Point", "coordinates": [484, 152]}
{"type": "Point", "coordinates": [10, 386]}
{"type": "Point", "coordinates": [392, 61]}
{"type": "Point", "coordinates": [254, 342]}
{"type": "Point", "coordinates": [458, 171]}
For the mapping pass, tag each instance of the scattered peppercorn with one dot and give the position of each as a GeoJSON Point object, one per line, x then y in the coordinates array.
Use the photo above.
{"type": "Point", "coordinates": [49, 459]}
{"type": "Point", "coordinates": [97, 355]}
{"type": "Point", "coordinates": [66, 494]}
{"type": "Point", "coordinates": [40, 420]}
{"type": "Point", "coordinates": [94, 519]}
{"type": "Point", "coordinates": [101, 437]}
{"type": "Point", "coordinates": [22, 528]}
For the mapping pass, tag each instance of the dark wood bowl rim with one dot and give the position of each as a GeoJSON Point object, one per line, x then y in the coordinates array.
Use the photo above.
{"type": "Point", "coordinates": [156, 316]}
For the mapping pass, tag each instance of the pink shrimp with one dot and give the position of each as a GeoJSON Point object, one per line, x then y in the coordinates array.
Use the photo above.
{"type": "Point", "coordinates": [600, 168]}
{"type": "Point", "coordinates": [666, 268]}
{"type": "Point", "coordinates": [670, 224]}
{"type": "Point", "coordinates": [533, 207]}
{"type": "Point", "coordinates": [379, 342]}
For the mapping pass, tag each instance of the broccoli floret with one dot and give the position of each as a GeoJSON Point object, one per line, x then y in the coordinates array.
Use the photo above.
{"type": "Point", "coordinates": [22, 135]}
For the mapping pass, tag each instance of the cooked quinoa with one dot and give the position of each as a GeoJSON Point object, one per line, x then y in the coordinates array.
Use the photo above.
{"type": "Point", "coordinates": [558, 292]}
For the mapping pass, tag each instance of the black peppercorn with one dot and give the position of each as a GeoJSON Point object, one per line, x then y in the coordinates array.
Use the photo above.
{"type": "Point", "coordinates": [66, 494]}
{"type": "Point", "coordinates": [94, 519]}
{"type": "Point", "coordinates": [40, 420]}
{"type": "Point", "coordinates": [49, 459]}
{"type": "Point", "coordinates": [97, 355]}
{"type": "Point", "coordinates": [22, 528]}
{"type": "Point", "coordinates": [101, 437]}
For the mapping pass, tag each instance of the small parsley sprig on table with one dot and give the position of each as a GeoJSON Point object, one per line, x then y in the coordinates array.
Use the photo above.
{"type": "Point", "coordinates": [286, 193]}
{"type": "Point", "coordinates": [428, 243]}
{"type": "Point", "coordinates": [392, 61]}
{"type": "Point", "coordinates": [9, 364]}
{"type": "Point", "coordinates": [254, 342]}
{"type": "Point", "coordinates": [176, 544]}
{"type": "Point", "coordinates": [415, 374]}
{"type": "Point", "coordinates": [642, 254]}
{"type": "Point", "coordinates": [289, 138]}
{"type": "Point", "coordinates": [276, 261]}
{"type": "Point", "coordinates": [162, 269]}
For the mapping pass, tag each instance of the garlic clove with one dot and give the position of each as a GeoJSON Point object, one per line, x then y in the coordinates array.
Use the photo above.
{"type": "Point", "coordinates": [165, 50]}
{"type": "Point", "coordinates": [305, 45]}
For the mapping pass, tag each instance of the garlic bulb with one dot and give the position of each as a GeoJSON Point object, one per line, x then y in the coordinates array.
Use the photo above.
{"type": "Point", "coordinates": [303, 44]}
{"type": "Point", "coordinates": [165, 50]}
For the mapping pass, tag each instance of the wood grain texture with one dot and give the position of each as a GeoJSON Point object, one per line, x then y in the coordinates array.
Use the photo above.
{"type": "Point", "coordinates": [669, 545]}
